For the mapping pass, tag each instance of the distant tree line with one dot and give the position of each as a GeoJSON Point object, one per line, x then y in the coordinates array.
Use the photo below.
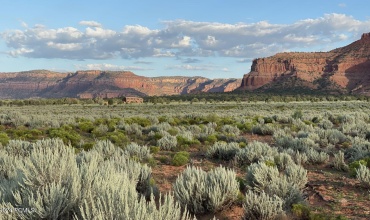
{"type": "Point", "coordinates": [193, 98]}
{"type": "Point", "coordinates": [252, 97]}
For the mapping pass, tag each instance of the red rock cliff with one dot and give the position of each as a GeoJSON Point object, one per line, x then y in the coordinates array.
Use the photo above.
{"type": "Point", "coordinates": [106, 84]}
{"type": "Point", "coordinates": [348, 67]}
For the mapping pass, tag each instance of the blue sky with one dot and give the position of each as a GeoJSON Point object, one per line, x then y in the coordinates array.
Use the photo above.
{"type": "Point", "coordinates": [214, 39]}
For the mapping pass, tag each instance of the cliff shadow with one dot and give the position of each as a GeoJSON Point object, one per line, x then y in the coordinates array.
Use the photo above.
{"type": "Point", "coordinates": [358, 77]}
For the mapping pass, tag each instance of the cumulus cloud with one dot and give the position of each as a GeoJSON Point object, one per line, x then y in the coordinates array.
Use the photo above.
{"type": "Point", "coordinates": [98, 32]}
{"type": "Point", "coordinates": [182, 38]}
{"type": "Point", "coordinates": [90, 23]}
{"type": "Point", "coordinates": [65, 47]}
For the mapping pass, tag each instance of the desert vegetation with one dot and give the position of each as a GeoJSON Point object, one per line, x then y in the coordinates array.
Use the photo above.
{"type": "Point", "coordinates": [185, 159]}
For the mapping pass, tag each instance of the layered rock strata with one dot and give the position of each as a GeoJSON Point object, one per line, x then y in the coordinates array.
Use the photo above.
{"type": "Point", "coordinates": [105, 84]}
{"type": "Point", "coordinates": [348, 67]}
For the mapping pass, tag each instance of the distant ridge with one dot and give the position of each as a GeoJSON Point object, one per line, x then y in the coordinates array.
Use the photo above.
{"type": "Point", "coordinates": [104, 84]}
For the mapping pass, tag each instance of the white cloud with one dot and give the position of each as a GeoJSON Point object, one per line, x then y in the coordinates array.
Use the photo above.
{"type": "Point", "coordinates": [185, 41]}
{"type": "Point", "coordinates": [342, 5]}
{"type": "Point", "coordinates": [99, 33]}
{"type": "Point", "coordinates": [181, 38]}
{"type": "Point", "coordinates": [19, 52]}
{"type": "Point", "coordinates": [162, 53]}
{"type": "Point", "coordinates": [300, 39]}
{"type": "Point", "coordinates": [65, 47]}
{"type": "Point", "coordinates": [137, 30]}
{"type": "Point", "coordinates": [90, 23]}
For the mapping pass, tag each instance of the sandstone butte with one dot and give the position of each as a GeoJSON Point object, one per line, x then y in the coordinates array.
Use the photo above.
{"type": "Point", "coordinates": [347, 68]}
{"type": "Point", "coordinates": [104, 84]}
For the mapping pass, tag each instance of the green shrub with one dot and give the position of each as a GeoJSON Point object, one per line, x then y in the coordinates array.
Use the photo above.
{"type": "Point", "coordinates": [173, 131]}
{"type": "Point", "coordinates": [118, 138]}
{"type": "Point", "coordinates": [181, 158]}
{"type": "Point", "coordinates": [86, 126]}
{"type": "Point", "coordinates": [4, 139]}
{"type": "Point", "coordinates": [66, 133]}
{"type": "Point", "coordinates": [154, 149]}
{"type": "Point", "coordinates": [355, 165]}
{"type": "Point", "coordinates": [242, 144]}
{"type": "Point", "coordinates": [184, 142]}
{"type": "Point", "coordinates": [144, 122]}
{"type": "Point", "coordinates": [301, 211]}
{"type": "Point", "coordinates": [164, 159]}
{"type": "Point", "coordinates": [211, 138]}
{"type": "Point", "coordinates": [88, 146]}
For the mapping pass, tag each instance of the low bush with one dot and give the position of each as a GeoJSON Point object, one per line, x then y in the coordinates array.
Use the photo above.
{"type": "Point", "coordinates": [66, 133]}
{"type": "Point", "coordinates": [263, 129]}
{"type": "Point", "coordinates": [167, 142]}
{"type": "Point", "coordinates": [180, 158]}
{"type": "Point", "coordinates": [202, 192]}
{"type": "Point", "coordinates": [287, 185]}
{"type": "Point", "coordinates": [223, 150]}
{"type": "Point", "coordinates": [154, 149]}
{"type": "Point", "coordinates": [339, 163]}
{"type": "Point", "coordinates": [230, 130]}
{"type": "Point", "coordinates": [355, 165]}
{"type": "Point", "coordinates": [253, 152]}
{"type": "Point", "coordinates": [262, 206]}
{"type": "Point", "coordinates": [4, 139]}
{"type": "Point", "coordinates": [315, 157]}
{"type": "Point", "coordinates": [260, 175]}
{"type": "Point", "coordinates": [137, 152]}
{"type": "Point", "coordinates": [363, 175]}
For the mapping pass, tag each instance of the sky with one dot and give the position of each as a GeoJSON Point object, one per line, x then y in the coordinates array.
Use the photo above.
{"type": "Point", "coordinates": [209, 38]}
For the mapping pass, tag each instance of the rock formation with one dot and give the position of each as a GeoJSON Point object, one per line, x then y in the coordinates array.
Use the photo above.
{"type": "Point", "coordinates": [346, 67]}
{"type": "Point", "coordinates": [105, 84]}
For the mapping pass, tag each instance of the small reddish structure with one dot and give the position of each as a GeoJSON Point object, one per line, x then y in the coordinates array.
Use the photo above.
{"type": "Point", "coordinates": [132, 99]}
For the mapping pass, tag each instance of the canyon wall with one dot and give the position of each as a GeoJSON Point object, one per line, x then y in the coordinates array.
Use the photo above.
{"type": "Point", "coordinates": [105, 84]}
{"type": "Point", "coordinates": [347, 67]}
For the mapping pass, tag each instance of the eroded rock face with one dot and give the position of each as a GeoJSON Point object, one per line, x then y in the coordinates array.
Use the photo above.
{"type": "Point", "coordinates": [105, 84]}
{"type": "Point", "coordinates": [348, 67]}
